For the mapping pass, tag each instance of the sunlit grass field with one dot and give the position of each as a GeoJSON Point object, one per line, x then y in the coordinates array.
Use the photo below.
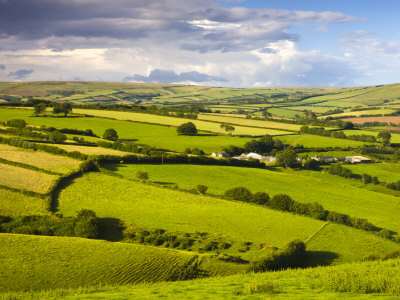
{"type": "Point", "coordinates": [386, 172]}
{"type": "Point", "coordinates": [163, 137]}
{"type": "Point", "coordinates": [26, 179]}
{"type": "Point", "coordinates": [15, 204]}
{"type": "Point", "coordinates": [43, 160]}
{"type": "Point", "coordinates": [303, 186]}
{"type": "Point", "coordinates": [154, 207]}
{"type": "Point", "coordinates": [315, 141]}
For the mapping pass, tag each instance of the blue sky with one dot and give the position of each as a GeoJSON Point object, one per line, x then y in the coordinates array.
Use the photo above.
{"type": "Point", "coordinates": [205, 42]}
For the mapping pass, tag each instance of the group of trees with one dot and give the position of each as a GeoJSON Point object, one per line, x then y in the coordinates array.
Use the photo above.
{"type": "Point", "coordinates": [187, 129]}
{"type": "Point", "coordinates": [264, 145]}
{"type": "Point", "coordinates": [58, 108]}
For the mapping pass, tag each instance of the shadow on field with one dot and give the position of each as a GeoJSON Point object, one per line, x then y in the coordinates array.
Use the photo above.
{"type": "Point", "coordinates": [128, 140]}
{"type": "Point", "coordinates": [163, 182]}
{"type": "Point", "coordinates": [319, 258]}
{"type": "Point", "coordinates": [113, 167]}
{"type": "Point", "coordinates": [110, 229]}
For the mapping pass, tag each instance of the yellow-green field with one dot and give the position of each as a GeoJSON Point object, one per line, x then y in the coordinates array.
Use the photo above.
{"type": "Point", "coordinates": [39, 159]}
{"type": "Point", "coordinates": [25, 179]}
{"type": "Point", "coordinates": [92, 150]}
{"type": "Point", "coordinates": [201, 125]}
{"type": "Point", "coordinates": [16, 204]}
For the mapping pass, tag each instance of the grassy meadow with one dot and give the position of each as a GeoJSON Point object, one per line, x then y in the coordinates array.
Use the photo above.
{"type": "Point", "coordinates": [315, 141]}
{"type": "Point", "coordinates": [16, 204]}
{"type": "Point", "coordinates": [302, 186]}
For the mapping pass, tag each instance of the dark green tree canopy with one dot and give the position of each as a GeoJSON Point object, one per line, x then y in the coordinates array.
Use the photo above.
{"type": "Point", "coordinates": [385, 137]}
{"type": "Point", "coordinates": [287, 158]}
{"type": "Point", "coordinates": [187, 129]}
{"type": "Point", "coordinates": [62, 108]}
{"type": "Point", "coordinates": [110, 134]}
{"type": "Point", "coordinates": [57, 137]}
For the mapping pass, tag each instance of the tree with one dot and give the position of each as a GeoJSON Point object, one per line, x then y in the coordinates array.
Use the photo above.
{"type": "Point", "coordinates": [187, 129]}
{"type": "Point", "coordinates": [110, 134]}
{"type": "Point", "coordinates": [384, 136]}
{"type": "Point", "coordinates": [39, 108]}
{"type": "Point", "coordinates": [260, 198]}
{"type": "Point", "coordinates": [63, 108]}
{"type": "Point", "coordinates": [86, 224]}
{"type": "Point", "coordinates": [287, 158]}
{"type": "Point", "coordinates": [57, 137]}
{"type": "Point", "coordinates": [228, 128]}
{"type": "Point", "coordinates": [347, 125]}
{"type": "Point", "coordinates": [239, 194]}
{"type": "Point", "coordinates": [281, 202]}
{"type": "Point", "coordinates": [202, 189]}
{"type": "Point", "coordinates": [142, 176]}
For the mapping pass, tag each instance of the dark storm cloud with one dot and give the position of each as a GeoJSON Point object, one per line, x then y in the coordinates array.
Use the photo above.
{"type": "Point", "coordinates": [20, 74]}
{"type": "Point", "coordinates": [169, 76]}
{"type": "Point", "coordinates": [126, 23]}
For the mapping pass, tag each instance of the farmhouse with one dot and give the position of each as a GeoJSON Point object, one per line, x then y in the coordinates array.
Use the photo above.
{"type": "Point", "coordinates": [357, 159]}
{"type": "Point", "coordinates": [325, 158]}
{"type": "Point", "coordinates": [219, 154]}
{"type": "Point", "coordinates": [252, 155]}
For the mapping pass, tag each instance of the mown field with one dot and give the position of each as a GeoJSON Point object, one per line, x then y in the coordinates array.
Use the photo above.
{"type": "Point", "coordinates": [17, 204]}
{"type": "Point", "coordinates": [302, 186]}
{"type": "Point", "coordinates": [315, 141]}
{"type": "Point", "coordinates": [63, 262]}
{"type": "Point", "coordinates": [39, 159]}
{"type": "Point", "coordinates": [348, 281]}
{"type": "Point", "coordinates": [25, 179]}
{"type": "Point", "coordinates": [163, 137]}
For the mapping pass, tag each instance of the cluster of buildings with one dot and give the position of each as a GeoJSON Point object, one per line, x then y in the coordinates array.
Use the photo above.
{"type": "Point", "coordinates": [253, 155]}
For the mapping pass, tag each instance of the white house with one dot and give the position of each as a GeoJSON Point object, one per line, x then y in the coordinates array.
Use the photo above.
{"type": "Point", "coordinates": [219, 154]}
{"type": "Point", "coordinates": [358, 159]}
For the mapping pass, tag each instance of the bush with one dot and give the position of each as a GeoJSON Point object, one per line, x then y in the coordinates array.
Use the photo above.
{"type": "Point", "coordinates": [202, 189]}
{"type": "Point", "coordinates": [281, 202]}
{"type": "Point", "coordinates": [110, 134]}
{"type": "Point", "coordinates": [18, 123]}
{"type": "Point", "coordinates": [367, 178]}
{"type": "Point", "coordinates": [86, 224]}
{"type": "Point", "coordinates": [57, 137]}
{"type": "Point", "coordinates": [239, 194]}
{"type": "Point", "coordinates": [187, 129]}
{"type": "Point", "coordinates": [260, 198]}
{"type": "Point", "coordinates": [316, 211]}
{"type": "Point", "coordinates": [142, 176]}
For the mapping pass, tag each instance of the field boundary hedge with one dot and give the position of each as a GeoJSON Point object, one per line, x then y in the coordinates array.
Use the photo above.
{"type": "Point", "coordinates": [26, 166]}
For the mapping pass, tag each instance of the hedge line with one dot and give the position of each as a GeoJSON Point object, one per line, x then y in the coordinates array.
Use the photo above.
{"type": "Point", "coordinates": [26, 166]}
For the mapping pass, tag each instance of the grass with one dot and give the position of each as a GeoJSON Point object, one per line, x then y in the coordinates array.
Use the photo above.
{"type": "Point", "coordinates": [249, 122]}
{"type": "Point", "coordinates": [315, 141]}
{"type": "Point", "coordinates": [334, 239]}
{"type": "Point", "coordinates": [381, 111]}
{"type": "Point", "coordinates": [334, 193]}
{"type": "Point", "coordinates": [283, 113]}
{"type": "Point", "coordinates": [38, 263]}
{"type": "Point", "coordinates": [25, 179]}
{"type": "Point", "coordinates": [92, 150]}
{"type": "Point", "coordinates": [386, 172]}
{"type": "Point", "coordinates": [153, 207]}
{"type": "Point", "coordinates": [366, 280]}
{"type": "Point", "coordinates": [39, 159]}
{"type": "Point", "coordinates": [154, 135]}
{"type": "Point", "coordinates": [156, 119]}
{"type": "Point", "coordinates": [15, 204]}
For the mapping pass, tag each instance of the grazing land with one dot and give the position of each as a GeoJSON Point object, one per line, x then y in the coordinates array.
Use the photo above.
{"type": "Point", "coordinates": [17, 204]}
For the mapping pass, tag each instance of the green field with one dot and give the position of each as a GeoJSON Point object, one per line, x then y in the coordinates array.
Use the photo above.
{"type": "Point", "coordinates": [16, 204]}
{"type": "Point", "coordinates": [62, 262]}
{"type": "Point", "coordinates": [367, 280]}
{"type": "Point", "coordinates": [39, 159]}
{"type": "Point", "coordinates": [315, 141]}
{"type": "Point", "coordinates": [249, 122]}
{"type": "Point", "coordinates": [283, 113]}
{"type": "Point", "coordinates": [386, 172]}
{"type": "Point", "coordinates": [153, 207]}
{"type": "Point", "coordinates": [170, 121]}
{"type": "Point", "coordinates": [302, 186]}
{"type": "Point", "coordinates": [92, 150]}
{"type": "Point", "coordinates": [163, 137]}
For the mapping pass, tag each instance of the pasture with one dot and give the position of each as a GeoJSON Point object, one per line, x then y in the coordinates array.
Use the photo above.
{"type": "Point", "coordinates": [171, 121]}
{"type": "Point", "coordinates": [25, 179]}
{"type": "Point", "coordinates": [153, 207]}
{"type": "Point", "coordinates": [365, 280]}
{"type": "Point", "coordinates": [386, 172]}
{"type": "Point", "coordinates": [302, 186]}
{"type": "Point", "coordinates": [157, 136]}
{"type": "Point", "coordinates": [315, 141]}
{"type": "Point", "coordinates": [91, 150]}
{"type": "Point", "coordinates": [39, 159]}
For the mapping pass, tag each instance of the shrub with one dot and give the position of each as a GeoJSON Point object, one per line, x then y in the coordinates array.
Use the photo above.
{"type": "Point", "coordinates": [311, 164]}
{"type": "Point", "coordinates": [86, 224]}
{"type": "Point", "coordinates": [316, 211]}
{"type": "Point", "coordinates": [260, 198]}
{"type": "Point", "coordinates": [367, 178]}
{"type": "Point", "coordinates": [239, 194]}
{"type": "Point", "coordinates": [142, 176]}
{"type": "Point", "coordinates": [385, 234]}
{"type": "Point", "coordinates": [281, 202]}
{"type": "Point", "coordinates": [187, 129]}
{"type": "Point", "coordinates": [371, 256]}
{"type": "Point", "coordinates": [202, 189]}
{"type": "Point", "coordinates": [57, 137]}
{"type": "Point", "coordinates": [18, 123]}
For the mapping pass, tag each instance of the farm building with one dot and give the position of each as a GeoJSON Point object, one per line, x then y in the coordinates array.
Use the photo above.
{"type": "Point", "coordinates": [219, 154]}
{"type": "Point", "coordinates": [253, 155]}
{"type": "Point", "coordinates": [325, 158]}
{"type": "Point", "coordinates": [357, 159]}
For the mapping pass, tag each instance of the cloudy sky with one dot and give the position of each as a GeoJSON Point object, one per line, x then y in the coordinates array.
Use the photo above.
{"type": "Point", "coordinates": [236, 43]}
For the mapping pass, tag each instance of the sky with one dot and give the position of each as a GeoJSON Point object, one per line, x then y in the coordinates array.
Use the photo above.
{"type": "Point", "coordinates": [230, 43]}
